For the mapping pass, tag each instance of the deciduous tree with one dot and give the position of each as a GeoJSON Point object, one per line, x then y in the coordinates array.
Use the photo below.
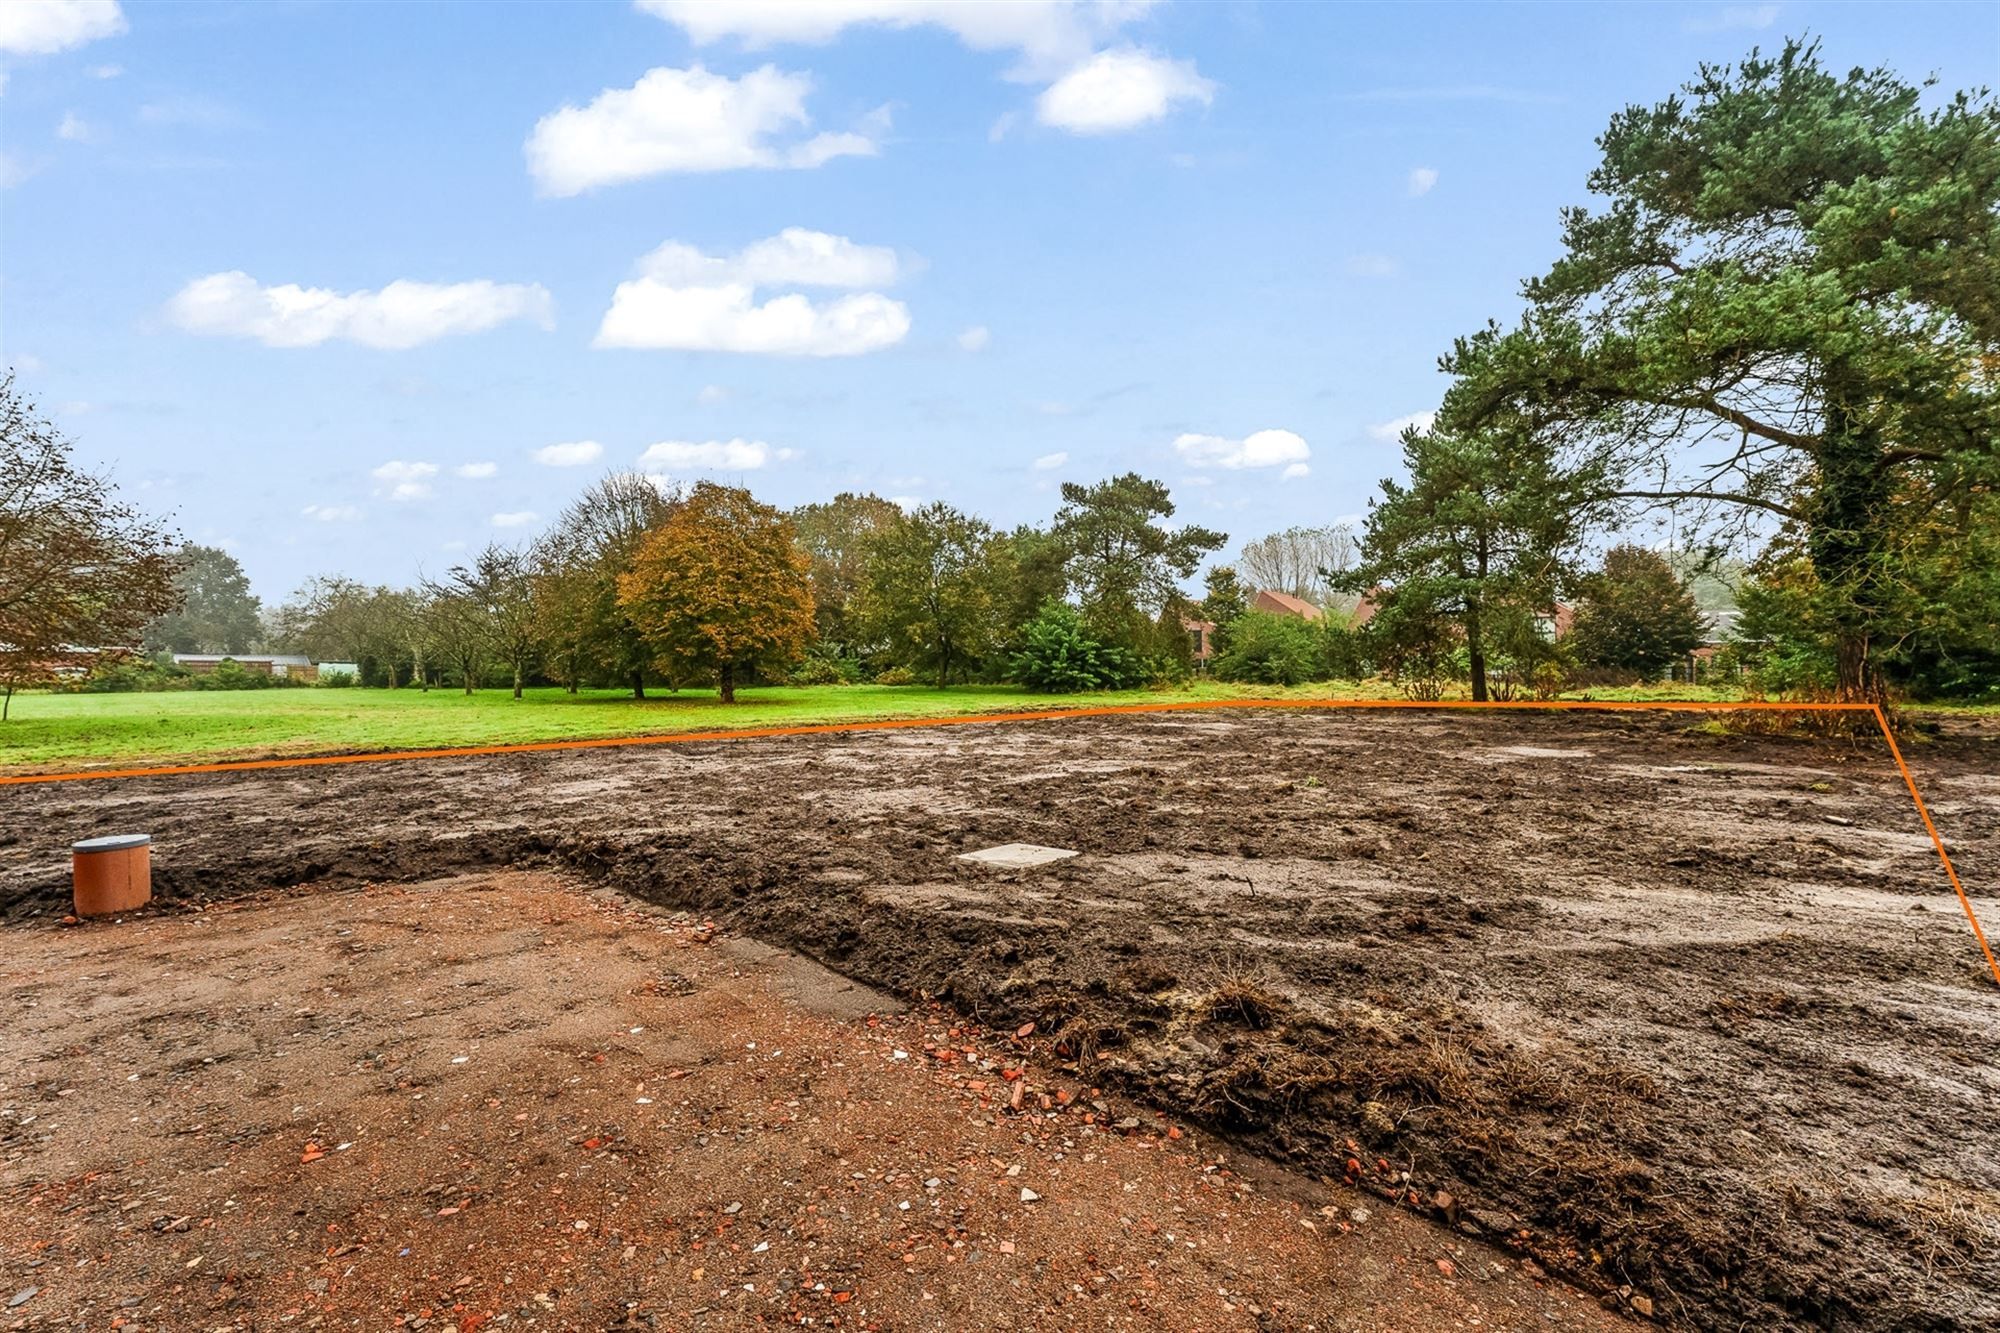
{"type": "Point", "coordinates": [933, 591]}
{"type": "Point", "coordinates": [218, 612]}
{"type": "Point", "coordinates": [78, 566]}
{"type": "Point", "coordinates": [721, 585]}
{"type": "Point", "coordinates": [837, 536]}
{"type": "Point", "coordinates": [1300, 561]}
{"type": "Point", "coordinates": [601, 532]}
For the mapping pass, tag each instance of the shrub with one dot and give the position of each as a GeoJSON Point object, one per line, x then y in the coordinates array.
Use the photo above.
{"type": "Point", "coordinates": [1343, 651]}
{"type": "Point", "coordinates": [338, 680]}
{"type": "Point", "coordinates": [1416, 646]}
{"type": "Point", "coordinates": [1057, 654]}
{"type": "Point", "coordinates": [1271, 650]}
{"type": "Point", "coordinates": [825, 665]}
{"type": "Point", "coordinates": [896, 675]}
{"type": "Point", "coordinates": [230, 674]}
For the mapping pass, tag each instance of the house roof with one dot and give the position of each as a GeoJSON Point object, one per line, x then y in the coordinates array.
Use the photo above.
{"type": "Point", "coordinates": [1284, 604]}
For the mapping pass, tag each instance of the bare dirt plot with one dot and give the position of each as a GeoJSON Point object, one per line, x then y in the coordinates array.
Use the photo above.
{"type": "Point", "coordinates": [497, 1101]}
{"type": "Point", "coordinates": [1690, 1016]}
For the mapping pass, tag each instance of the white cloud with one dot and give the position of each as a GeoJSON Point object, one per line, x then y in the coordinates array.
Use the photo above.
{"type": "Point", "coordinates": [519, 518]}
{"type": "Point", "coordinates": [401, 315]}
{"type": "Point", "coordinates": [684, 120]}
{"type": "Point", "coordinates": [576, 453]}
{"type": "Point", "coordinates": [716, 455]}
{"type": "Point", "coordinates": [43, 27]}
{"type": "Point", "coordinates": [1264, 448]}
{"type": "Point", "coordinates": [1296, 470]}
{"type": "Point", "coordinates": [1117, 90]}
{"type": "Point", "coordinates": [105, 71]}
{"type": "Point", "coordinates": [711, 394]}
{"type": "Point", "coordinates": [975, 338]}
{"type": "Point", "coordinates": [688, 301]}
{"type": "Point", "coordinates": [331, 513]}
{"type": "Point", "coordinates": [1393, 430]}
{"type": "Point", "coordinates": [1048, 34]}
{"type": "Point", "coordinates": [1050, 462]}
{"type": "Point", "coordinates": [1422, 179]}
{"type": "Point", "coordinates": [476, 471]}
{"type": "Point", "coordinates": [1373, 266]}
{"type": "Point", "coordinates": [14, 169]}
{"type": "Point", "coordinates": [74, 128]}
{"type": "Point", "coordinates": [404, 480]}
{"type": "Point", "coordinates": [1056, 42]}
{"type": "Point", "coordinates": [795, 257]}
{"type": "Point", "coordinates": [649, 314]}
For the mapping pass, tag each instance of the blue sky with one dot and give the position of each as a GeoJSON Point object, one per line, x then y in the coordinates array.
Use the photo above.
{"type": "Point", "coordinates": [336, 284]}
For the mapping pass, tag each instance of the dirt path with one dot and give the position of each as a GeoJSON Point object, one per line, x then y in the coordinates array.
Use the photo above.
{"type": "Point", "coordinates": [1687, 1016]}
{"type": "Point", "coordinates": [497, 1101]}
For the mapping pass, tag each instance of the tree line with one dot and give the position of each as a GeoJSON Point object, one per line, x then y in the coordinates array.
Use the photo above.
{"type": "Point", "coordinates": [1778, 333]}
{"type": "Point", "coordinates": [635, 585]}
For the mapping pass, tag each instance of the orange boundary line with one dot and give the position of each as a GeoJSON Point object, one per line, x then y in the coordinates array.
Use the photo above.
{"type": "Point", "coordinates": [1048, 715]}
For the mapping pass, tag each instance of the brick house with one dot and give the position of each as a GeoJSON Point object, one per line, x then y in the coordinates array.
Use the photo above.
{"type": "Point", "coordinates": [1201, 638]}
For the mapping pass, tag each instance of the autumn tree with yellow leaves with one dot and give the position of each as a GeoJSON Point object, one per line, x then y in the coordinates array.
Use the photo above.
{"type": "Point", "coordinates": [720, 586]}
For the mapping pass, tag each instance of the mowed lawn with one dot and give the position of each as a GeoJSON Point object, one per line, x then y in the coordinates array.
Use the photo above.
{"type": "Point", "coordinates": [53, 732]}
{"type": "Point", "coordinates": [66, 731]}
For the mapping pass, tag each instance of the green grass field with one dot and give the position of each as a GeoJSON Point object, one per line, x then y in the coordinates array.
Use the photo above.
{"type": "Point", "coordinates": [89, 730]}
{"type": "Point", "coordinates": [71, 731]}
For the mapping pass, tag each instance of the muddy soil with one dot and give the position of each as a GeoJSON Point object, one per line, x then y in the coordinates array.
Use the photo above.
{"type": "Point", "coordinates": [1692, 1018]}
{"type": "Point", "coordinates": [497, 1101]}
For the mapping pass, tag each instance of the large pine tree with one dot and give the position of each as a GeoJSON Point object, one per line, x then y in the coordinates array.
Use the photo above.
{"type": "Point", "coordinates": [1789, 305]}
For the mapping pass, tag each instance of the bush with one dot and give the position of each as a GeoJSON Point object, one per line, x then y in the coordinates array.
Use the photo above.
{"type": "Point", "coordinates": [1415, 646]}
{"type": "Point", "coordinates": [230, 674]}
{"type": "Point", "coordinates": [131, 675]}
{"type": "Point", "coordinates": [896, 676]}
{"type": "Point", "coordinates": [825, 665]}
{"type": "Point", "coordinates": [1056, 654]}
{"type": "Point", "coordinates": [1795, 670]}
{"type": "Point", "coordinates": [338, 680]}
{"type": "Point", "coordinates": [1272, 650]}
{"type": "Point", "coordinates": [1343, 651]}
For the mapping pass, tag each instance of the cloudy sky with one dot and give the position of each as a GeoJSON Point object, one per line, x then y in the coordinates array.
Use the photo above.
{"type": "Point", "coordinates": [349, 287]}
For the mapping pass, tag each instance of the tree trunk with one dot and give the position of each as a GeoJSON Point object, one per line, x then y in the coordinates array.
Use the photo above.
{"type": "Point", "coordinates": [638, 684]}
{"type": "Point", "coordinates": [1844, 535]}
{"type": "Point", "coordinates": [517, 681]}
{"type": "Point", "coordinates": [726, 682]}
{"type": "Point", "coordinates": [1475, 653]}
{"type": "Point", "coordinates": [7, 703]}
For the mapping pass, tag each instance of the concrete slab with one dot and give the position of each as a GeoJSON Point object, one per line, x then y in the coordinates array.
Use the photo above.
{"type": "Point", "coordinates": [1017, 856]}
